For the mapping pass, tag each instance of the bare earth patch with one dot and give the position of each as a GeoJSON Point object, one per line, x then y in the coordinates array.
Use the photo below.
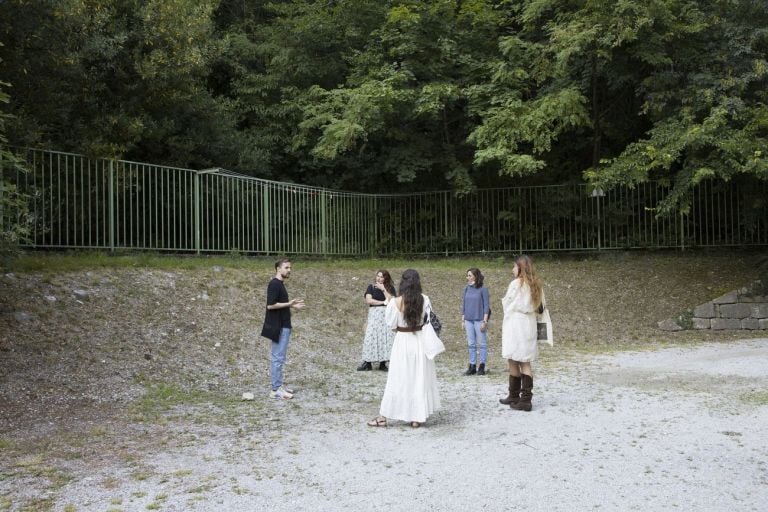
{"type": "Point", "coordinates": [127, 397]}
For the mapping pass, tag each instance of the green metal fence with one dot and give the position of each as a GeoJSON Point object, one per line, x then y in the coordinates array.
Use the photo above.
{"type": "Point", "coordinates": [78, 202]}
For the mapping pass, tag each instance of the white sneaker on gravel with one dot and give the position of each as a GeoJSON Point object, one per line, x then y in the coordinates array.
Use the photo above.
{"type": "Point", "coordinates": [281, 393]}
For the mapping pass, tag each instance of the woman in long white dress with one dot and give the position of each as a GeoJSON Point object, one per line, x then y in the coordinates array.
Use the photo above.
{"type": "Point", "coordinates": [411, 393]}
{"type": "Point", "coordinates": [518, 332]}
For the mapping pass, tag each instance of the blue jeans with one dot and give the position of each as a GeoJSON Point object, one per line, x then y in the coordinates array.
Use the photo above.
{"type": "Point", "coordinates": [279, 351]}
{"type": "Point", "coordinates": [477, 341]}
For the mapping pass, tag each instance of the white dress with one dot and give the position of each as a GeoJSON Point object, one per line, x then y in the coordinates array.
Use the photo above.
{"type": "Point", "coordinates": [411, 392]}
{"type": "Point", "coordinates": [518, 330]}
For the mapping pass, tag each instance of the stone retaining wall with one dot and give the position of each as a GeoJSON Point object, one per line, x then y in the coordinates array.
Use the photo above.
{"type": "Point", "coordinates": [739, 309]}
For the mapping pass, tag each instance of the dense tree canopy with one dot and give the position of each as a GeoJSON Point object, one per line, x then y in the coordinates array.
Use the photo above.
{"type": "Point", "coordinates": [399, 95]}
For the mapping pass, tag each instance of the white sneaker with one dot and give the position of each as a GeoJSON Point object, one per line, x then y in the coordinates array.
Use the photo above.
{"type": "Point", "coordinates": [281, 393]}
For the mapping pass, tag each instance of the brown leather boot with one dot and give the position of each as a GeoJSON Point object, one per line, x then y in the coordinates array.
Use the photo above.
{"type": "Point", "coordinates": [526, 385]}
{"type": "Point", "coordinates": [514, 391]}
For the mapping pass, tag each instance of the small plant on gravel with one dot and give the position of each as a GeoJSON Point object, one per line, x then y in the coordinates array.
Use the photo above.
{"type": "Point", "coordinates": [141, 475]}
{"type": "Point", "coordinates": [685, 319]}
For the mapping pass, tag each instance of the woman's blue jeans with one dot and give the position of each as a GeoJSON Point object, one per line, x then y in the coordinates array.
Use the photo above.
{"type": "Point", "coordinates": [477, 341]}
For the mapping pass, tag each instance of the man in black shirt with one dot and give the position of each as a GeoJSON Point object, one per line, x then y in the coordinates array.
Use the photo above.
{"type": "Point", "coordinates": [277, 325]}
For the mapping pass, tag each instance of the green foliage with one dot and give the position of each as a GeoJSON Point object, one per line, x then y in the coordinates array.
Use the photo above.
{"type": "Point", "coordinates": [15, 221]}
{"type": "Point", "coordinates": [401, 95]}
{"type": "Point", "coordinates": [115, 79]}
{"type": "Point", "coordinates": [707, 105]}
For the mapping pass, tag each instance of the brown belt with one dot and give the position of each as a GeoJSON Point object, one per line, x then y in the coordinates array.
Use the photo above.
{"type": "Point", "coordinates": [408, 329]}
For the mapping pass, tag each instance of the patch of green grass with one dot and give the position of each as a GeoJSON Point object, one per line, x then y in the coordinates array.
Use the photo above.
{"type": "Point", "coordinates": [37, 505]}
{"type": "Point", "coordinates": [7, 444]}
{"type": "Point", "coordinates": [161, 397]}
{"type": "Point", "coordinates": [755, 397]}
{"type": "Point", "coordinates": [111, 483]}
{"type": "Point", "coordinates": [165, 402]}
{"type": "Point", "coordinates": [157, 503]}
{"type": "Point", "coordinates": [53, 263]}
{"type": "Point", "coordinates": [141, 475]}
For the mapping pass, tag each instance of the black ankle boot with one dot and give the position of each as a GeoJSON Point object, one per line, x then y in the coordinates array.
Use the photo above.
{"type": "Point", "coordinates": [365, 366]}
{"type": "Point", "coordinates": [383, 366]}
{"type": "Point", "coordinates": [481, 369]}
{"type": "Point", "coordinates": [471, 370]}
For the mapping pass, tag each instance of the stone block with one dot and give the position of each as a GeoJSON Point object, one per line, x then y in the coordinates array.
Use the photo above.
{"type": "Point", "coordinates": [669, 325]}
{"type": "Point", "coordinates": [734, 310]}
{"type": "Point", "coordinates": [763, 323]}
{"type": "Point", "coordinates": [750, 323]}
{"type": "Point", "coordinates": [760, 310]}
{"type": "Point", "coordinates": [705, 311]}
{"type": "Point", "coordinates": [702, 323]}
{"type": "Point", "coordinates": [728, 298]}
{"type": "Point", "coordinates": [753, 298]}
{"type": "Point", "coordinates": [754, 293]}
{"type": "Point", "coordinates": [720, 324]}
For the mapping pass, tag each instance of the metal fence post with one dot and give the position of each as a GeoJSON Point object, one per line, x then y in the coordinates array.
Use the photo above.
{"type": "Point", "coordinates": [265, 229]}
{"type": "Point", "coordinates": [445, 221]}
{"type": "Point", "coordinates": [323, 223]}
{"type": "Point", "coordinates": [111, 202]}
{"type": "Point", "coordinates": [198, 220]}
{"type": "Point", "coordinates": [520, 221]}
{"type": "Point", "coordinates": [599, 227]}
{"type": "Point", "coordinates": [682, 231]}
{"type": "Point", "coordinates": [2, 191]}
{"type": "Point", "coordinates": [598, 194]}
{"type": "Point", "coordinates": [373, 225]}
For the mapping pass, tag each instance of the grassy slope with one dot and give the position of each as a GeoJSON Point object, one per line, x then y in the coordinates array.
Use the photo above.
{"type": "Point", "coordinates": [144, 317]}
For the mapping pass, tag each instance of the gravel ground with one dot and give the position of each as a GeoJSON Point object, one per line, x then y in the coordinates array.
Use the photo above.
{"type": "Point", "coordinates": [120, 391]}
{"type": "Point", "coordinates": [670, 429]}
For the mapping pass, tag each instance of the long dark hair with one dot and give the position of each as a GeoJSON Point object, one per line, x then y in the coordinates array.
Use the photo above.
{"type": "Point", "coordinates": [388, 284]}
{"type": "Point", "coordinates": [412, 300]}
{"type": "Point", "coordinates": [478, 277]}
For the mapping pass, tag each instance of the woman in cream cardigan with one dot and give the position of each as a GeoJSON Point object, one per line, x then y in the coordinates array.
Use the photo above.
{"type": "Point", "coordinates": [518, 332]}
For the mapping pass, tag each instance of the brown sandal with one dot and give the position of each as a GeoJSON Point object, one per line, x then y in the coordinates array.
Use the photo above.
{"type": "Point", "coordinates": [378, 421]}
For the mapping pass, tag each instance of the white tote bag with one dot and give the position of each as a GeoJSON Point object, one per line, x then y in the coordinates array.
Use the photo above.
{"type": "Point", "coordinates": [430, 341]}
{"type": "Point", "coordinates": [544, 328]}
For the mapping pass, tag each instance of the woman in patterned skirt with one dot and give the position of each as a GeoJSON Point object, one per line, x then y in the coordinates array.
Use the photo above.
{"type": "Point", "coordinates": [377, 343]}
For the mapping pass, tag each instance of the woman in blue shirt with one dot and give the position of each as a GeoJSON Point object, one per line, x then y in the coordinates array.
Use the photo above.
{"type": "Point", "coordinates": [475, 310]}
